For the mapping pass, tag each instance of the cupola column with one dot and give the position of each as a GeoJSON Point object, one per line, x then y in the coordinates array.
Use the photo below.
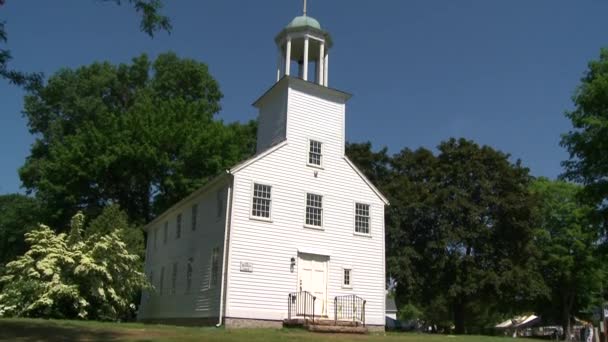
{"type": "Point", "coordinates": [326, 69]}
{"type": "Point", "coordinates": [287, 56]}
{"type": "Point", "coordinates": [321, 64]}
{"type": "Point", "coordinates": [305, 65]}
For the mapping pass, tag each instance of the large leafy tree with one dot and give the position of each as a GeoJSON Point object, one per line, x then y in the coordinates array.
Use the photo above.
{"type": "Point", "coordinates": [141, 135]}
{"type": "Point", "coordinates": [460, 233]}
{"type": "Point", "coordinates": [587, 142]}
{"type": "Point", "coordinates": [572, 260]}
{"type": "Point", "coordinates": [151, 21]}
{"type": "Point", "coordinates": [73, 276]}
{"type": "Point", "coordinates": [18, 215]}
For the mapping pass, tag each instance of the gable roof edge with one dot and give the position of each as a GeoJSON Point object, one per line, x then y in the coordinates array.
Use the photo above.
{"type": "Point", "coordinates": [367, 181]}
{"type": "Point", "coordinates": [257, 157]}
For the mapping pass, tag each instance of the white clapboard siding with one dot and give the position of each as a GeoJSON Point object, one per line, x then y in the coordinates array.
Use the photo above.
{"type": "Point", "coordinates": [273, 121]}
{"type": "Point", "coordinates": [202, 300]}
{"type": "Point", "coordinates": [269, 246]}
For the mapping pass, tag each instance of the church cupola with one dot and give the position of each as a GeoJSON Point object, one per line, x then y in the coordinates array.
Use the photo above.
{"type": "Point", "coordinates": [303, 50]}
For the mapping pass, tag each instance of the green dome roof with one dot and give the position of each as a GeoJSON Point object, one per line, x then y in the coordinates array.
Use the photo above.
{"type": "Point", "coordinates": [303, 21]}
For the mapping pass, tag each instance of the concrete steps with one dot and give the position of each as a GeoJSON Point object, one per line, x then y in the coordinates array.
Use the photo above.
{"type": "Point", "coordinates": [327, 326]}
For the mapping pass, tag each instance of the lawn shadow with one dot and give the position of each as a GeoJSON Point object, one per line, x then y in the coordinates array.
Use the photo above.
{"type": "Point", "coordinates": [30, 332]}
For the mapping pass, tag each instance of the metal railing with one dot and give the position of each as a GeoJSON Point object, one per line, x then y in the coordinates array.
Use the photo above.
{"type": "Point", "coordinates": [351, 307]}
{"type": "Point", "coordinates": [301, 304]}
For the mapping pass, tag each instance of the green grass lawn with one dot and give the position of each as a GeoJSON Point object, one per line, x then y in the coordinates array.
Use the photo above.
{"type": "Point", "coordinates": [59, 330]}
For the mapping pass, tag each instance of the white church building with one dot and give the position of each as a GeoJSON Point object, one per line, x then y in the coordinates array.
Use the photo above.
{"type": "Point", "coordinates": [297, 231]}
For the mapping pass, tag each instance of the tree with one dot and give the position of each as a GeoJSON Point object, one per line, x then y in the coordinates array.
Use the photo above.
{"type": "Point", "coordinates": [460, 234]}
{"type": "Point", "coordinates": [72, 276]}
{"type": "Point", "coordinates": [151, 21]}
{"type": "Point", "coordinates": [588, 141]}
{"type": "Point", "coordinates": [18, 215]}
{"type": "Point", "coordinates": [141, 135]}
{"type": "Point", "coordinates": [572, 258]}
{"type": "Point", "coordinates": [375, 165]}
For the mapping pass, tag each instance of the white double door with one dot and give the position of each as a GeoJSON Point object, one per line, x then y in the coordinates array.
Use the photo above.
{"type": "Point", "coordinates": [312, 277]}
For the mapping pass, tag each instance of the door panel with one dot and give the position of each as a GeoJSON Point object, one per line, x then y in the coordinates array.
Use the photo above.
{"type": "Point", "coordinates": [313, 278]}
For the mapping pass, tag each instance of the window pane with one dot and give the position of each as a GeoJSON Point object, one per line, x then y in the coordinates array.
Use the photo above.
{"type": "Point", "coordinates": [347, 277]}
{"type": "Point", "coordinates": [178, 229]}
{"type": "Point", "coordinates": [314, 210]}
{"type": "Point", "coordinates": [314, 153]}
{"type": "Point", "coordinates": [261, 200]}
{"type": "Point", "coordinates": [362, 218]}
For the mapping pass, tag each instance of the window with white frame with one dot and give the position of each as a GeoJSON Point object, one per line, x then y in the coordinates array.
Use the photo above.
{"type": "Point", "coordinates": [161, 284]}
{"type": "Point", "coordinates": [215, 267]}
{"type": "Point", "coordinates": [347, 279]}
{"type": "Point", "coordinates": [314, 210]}
{"type": "Point", "coordinates": [194, 216]}
{"type": "Point", "coordinates": [314, 153]}
{"type": "Point", "coordinates": [174, 278]}
{"type": "Point", "coordinates": [178, 228]}
{"type": "Point", "coordinates": [189, 276]}
{"type": "Point", "coordinates": [261, 200]}
{"type": "Point", "coordinates": [362, 218]}
{"type": "Point", "coordinates": [165, 232]}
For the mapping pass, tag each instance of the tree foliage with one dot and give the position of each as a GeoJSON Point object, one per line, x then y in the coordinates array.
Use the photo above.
{"type": "Point", "coordinates": [141, 135]}
{"type": "Point", "coordinates": [72, 276]}
{"type": "Point", "coordinates": [459, 231]}
{"type": "Point", "coordinates": [151, 21]}
{"type": "Point", "coordinates": [572, 259]}
{"type": "Point", "coordinates": [18, 215]}
{"type": "Point", "coordinates": [587, 142]}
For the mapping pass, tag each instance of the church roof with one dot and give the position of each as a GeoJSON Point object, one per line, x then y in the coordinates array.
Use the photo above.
{"type": "Point", "coordinates": [304, 21]}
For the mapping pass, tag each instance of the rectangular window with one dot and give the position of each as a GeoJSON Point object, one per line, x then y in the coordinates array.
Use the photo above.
{"type": "Point", "coordinates": [178, 228]}
{"type": "Point", "coordinates": [165, 232]}
{"type": "Point", "coordinates": [347, 278]}
{"type": "Point", "coordinates": [174, 278]}
{"type": "Point", "coordinates": [314, 153]}
{"type": "Point", "coordinates": [314, 210]}
{"type": "Point", "coordinates": [261, 200]}
{"type": "Point", "coordinates": [194, 216]}
{"type": "Point", "coordinates": [220, 203]}
{"type": "Point", "coordinates": [162, 280]}
{"type": "Point", "coordinates": [189, 276]}
{"type": "Point", "coordinates": [155, 237]}
{"type": "Point", "coordinates": [215, 267]}
{"type": "Point", "coordinates": [362, 218]}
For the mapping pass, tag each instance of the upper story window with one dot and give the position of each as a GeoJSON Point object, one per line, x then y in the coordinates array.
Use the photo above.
{"type": "Point", "coordinates": [314, 210]}
{"type": "Point", "coordinates": [362, 218]}
{"type": "Point", "coordinates": [194, 216]}
{"type": "Point", "coordinates": [178, 228]}
{"type": "Point", "coordinates": [314, 153]}
{"type": "Point", "coordinates": [165, 232]}
{"type": "Point", "coordinates": [155, 236]}
{"type": "Point", "coordinates": [261, 201]}
{"type": "Point", "coordinates": [220, 203]}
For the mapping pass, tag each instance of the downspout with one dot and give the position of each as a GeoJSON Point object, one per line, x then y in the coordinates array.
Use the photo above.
{"type": "Point", "coordinates": [225, 262]}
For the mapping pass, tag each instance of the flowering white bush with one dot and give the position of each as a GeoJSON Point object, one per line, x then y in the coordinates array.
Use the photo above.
{"type": "Point", "coordinates": [69, 276]}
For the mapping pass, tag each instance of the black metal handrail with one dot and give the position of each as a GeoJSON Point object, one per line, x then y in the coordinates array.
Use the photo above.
{"type": "Point", "coordinates": [350, 307]}
{"type": "Point", "coordinates": [301, 304]}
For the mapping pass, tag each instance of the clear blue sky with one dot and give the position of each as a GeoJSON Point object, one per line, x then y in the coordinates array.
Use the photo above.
{"type": "Point", "coordinates": [499, 72]}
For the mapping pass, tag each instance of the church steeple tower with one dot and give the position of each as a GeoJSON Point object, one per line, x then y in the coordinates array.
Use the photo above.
{"type": "Point", "coordinates": [304, 45]}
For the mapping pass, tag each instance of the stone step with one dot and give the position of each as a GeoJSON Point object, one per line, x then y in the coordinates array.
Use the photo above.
{"type": "Point", "coordinates": [300, 322]}
{"type": "Point", "coordinates": [337, 329]}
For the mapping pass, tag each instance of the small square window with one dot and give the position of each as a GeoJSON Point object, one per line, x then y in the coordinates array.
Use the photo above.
{"type": "Point", "coordinates": [215, 267]}
{"type": "Point", "coordinates": [178, 228]}
{"type": "Point", "coordinates": [314, 210]}
{"type": "Point", "coordinates": [189, 276]}
{"type": "Point", "coordinates": [260, 206]}
{"type": "Point", "coordinates": [194, 216]}
{"type": "Point", "coordinates": [347, 281]}
{"type": "Point", "coordinates": [162, 280]}
{"type": "Point", "coordinates": [165, 232]}
{"type": "Point", "coordinates": [314, 153]}
{"type": "Point", "coordinates": [362, 218]}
